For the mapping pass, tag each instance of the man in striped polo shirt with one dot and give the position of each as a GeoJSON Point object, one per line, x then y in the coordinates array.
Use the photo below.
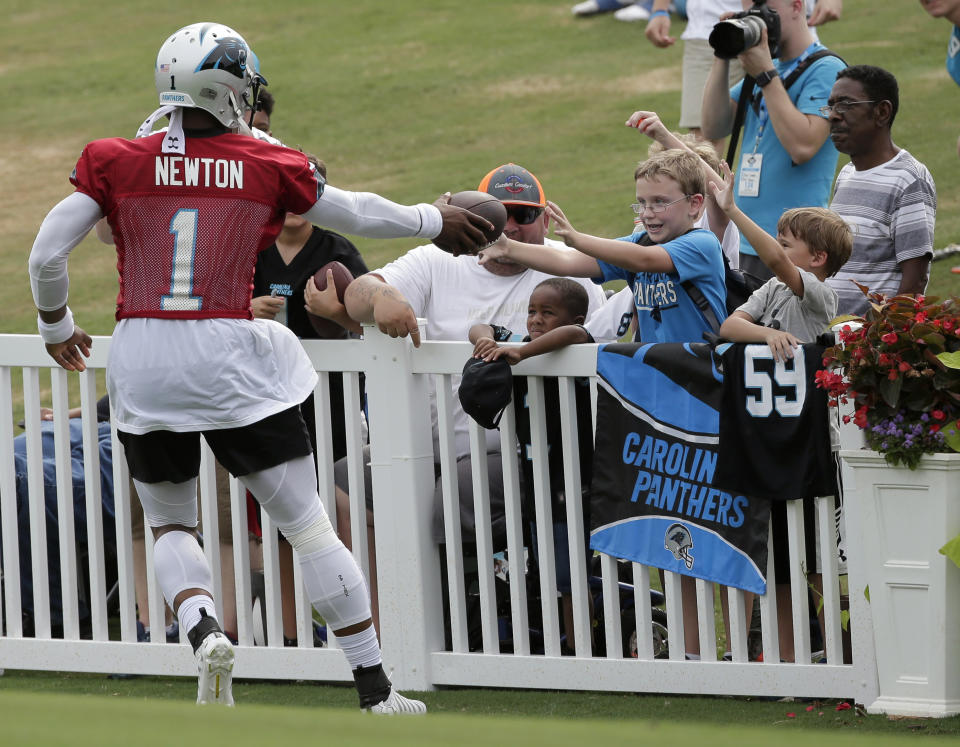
{"type": "Point", "coordinates": [884, 193]}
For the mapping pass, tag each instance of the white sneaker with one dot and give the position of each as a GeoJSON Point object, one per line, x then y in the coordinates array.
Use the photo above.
{"type": "Point", "coordinates": [215, 667]}
{"type": "Point", "coordinates": [398, 704]}
{"type": "Point", "coordinates": [633, 12]}
{"type": "Point", "coordinates": [593, 7]}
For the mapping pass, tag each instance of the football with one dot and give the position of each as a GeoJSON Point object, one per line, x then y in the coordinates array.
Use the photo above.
{"type": "Point", "coordinates": [486, 206]}
{"type": "Point", "coordinates": [342, 277]}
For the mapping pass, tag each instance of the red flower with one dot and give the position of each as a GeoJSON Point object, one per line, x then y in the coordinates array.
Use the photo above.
{"type": "Point", "coordinates": [904, 366]}
{"type": "Point", "coordinates": [920, 316]}
{"type": "Point", "coordinates": [934, 428]}
{"type": "Point", "coordinates": [892, 375]}
{"type": "Point", "coordinates": [860, 416]}
{"type": "Point", "coordinates": [938, 414]}
{"type": "Point", "coordinates": [846, 419]}
{"type": "Point", "coordinates": [889, 338]}
{"type": "Point", "coordinates": [843, 706]}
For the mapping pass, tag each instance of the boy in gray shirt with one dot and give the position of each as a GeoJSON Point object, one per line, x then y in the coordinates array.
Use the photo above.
{"type": "Point", "coordinates": [796, 304]}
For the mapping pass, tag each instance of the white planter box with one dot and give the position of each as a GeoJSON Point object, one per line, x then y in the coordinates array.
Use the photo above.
{"type": "Point", "coordinates": [905, 517]}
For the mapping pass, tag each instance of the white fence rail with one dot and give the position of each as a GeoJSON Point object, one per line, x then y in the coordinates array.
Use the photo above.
{"type": "Point", "coordinates": [423, 650]}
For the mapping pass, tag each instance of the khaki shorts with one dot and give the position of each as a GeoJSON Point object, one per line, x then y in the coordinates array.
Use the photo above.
{"type": "Point", "coordinates": [697, 61]}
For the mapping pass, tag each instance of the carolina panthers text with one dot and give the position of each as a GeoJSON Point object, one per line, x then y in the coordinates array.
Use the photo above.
{"type": "Point", "coordinates": [676, 477]}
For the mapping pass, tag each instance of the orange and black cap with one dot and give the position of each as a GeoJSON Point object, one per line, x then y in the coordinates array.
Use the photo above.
{"type": "Point", "coordinates": [513, 185]}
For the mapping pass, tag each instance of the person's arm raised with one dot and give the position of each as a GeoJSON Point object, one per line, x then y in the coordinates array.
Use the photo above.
{"type": "Point", "coordinates": [801, 135]}
{"type": "Point", "coordinates": [767, 247]}
{"type": "Point", "coordinates": [718, 110]}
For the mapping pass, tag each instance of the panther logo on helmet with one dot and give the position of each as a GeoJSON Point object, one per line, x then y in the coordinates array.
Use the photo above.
{"type": "Point", "coordinates": [229, 54]}
{"type": "Point", "coordinates": [679, 541]}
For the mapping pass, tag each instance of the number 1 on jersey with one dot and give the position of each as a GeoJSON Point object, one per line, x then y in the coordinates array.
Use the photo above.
{"type": "Point", "coordinates": [183, 226]}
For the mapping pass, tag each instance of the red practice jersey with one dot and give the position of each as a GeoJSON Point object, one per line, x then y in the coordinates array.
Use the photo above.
{"type": "Point", "coordinates": [189, 227]}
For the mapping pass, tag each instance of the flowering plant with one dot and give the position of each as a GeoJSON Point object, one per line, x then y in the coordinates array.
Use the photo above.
{"type": "Point", "coordinates": [900, 366]}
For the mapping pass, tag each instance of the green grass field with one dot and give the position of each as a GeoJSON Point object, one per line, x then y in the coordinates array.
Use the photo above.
{"type": "Point", "coordinates": [91, 709]}
{"type": "Point", "coordinates": [101, 720]}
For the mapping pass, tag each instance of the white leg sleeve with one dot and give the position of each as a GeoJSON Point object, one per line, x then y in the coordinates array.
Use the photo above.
{"type": "Point", "coordinates": [180, 564]}
{"type": "Point", "coordinates": [168, 502]}
{"type": "Point", "coordinates": [288, 493]}
{"type": "Point", "coordinates": [334, 583]}
{"type": "Point", "coordinates": [335, 586]}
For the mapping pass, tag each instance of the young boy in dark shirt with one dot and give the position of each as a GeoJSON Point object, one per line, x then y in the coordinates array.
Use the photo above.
{"type": "Point", "coordinates": [556, 311]}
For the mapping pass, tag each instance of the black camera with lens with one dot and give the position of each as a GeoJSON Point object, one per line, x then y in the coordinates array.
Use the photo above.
{"type": "Point", "coordinates": [742, 31]}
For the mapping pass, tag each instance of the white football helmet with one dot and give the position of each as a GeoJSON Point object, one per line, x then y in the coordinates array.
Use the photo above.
{"type": "Point", "coordinates": [208, 66]}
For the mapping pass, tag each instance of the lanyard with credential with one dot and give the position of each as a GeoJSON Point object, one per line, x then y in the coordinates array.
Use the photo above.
{"type": "Point", "coordinates": [762, 114]}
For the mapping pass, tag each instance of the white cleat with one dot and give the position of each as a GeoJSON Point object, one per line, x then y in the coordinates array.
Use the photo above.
{"type": "Point", "coordinates": [397, 704]}
{"type": "Point", "coordinates": [215, 667]}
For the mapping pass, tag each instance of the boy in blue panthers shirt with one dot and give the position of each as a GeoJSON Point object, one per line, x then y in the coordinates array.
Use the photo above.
{"type": "Point", "coordinates": [655, 261]}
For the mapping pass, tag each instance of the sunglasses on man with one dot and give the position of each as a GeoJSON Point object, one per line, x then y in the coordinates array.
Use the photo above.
{"type": "Point", "coordinates": [524, 215]}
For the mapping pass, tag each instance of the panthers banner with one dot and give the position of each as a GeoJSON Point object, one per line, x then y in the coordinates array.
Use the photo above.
{"type": "Point", "coordinates": [653, 495]}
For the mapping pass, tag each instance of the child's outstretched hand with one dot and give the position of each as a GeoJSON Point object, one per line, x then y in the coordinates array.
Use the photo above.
{"type": "Point", "coordinates": [484, 348]}
{"type": "Point", "coordinates": [493, 251]}
{"type": "Point", "coordinates": [562, 227]}
{"type": "Point", "coordinates": [724, 197]}
{"type": "Point", "coordinates": [649, 124]}
{"type": "Point", "coordinates": [781, 344]}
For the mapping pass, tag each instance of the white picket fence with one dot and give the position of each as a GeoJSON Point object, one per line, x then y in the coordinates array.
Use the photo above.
{"type": "Point", "coordinates": [398, 384]}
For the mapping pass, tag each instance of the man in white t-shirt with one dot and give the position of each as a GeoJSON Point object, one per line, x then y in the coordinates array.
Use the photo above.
{"type": "Point", "coordinates": [885, 194]}
{"type": "Point", "coordinates": [452, 294]}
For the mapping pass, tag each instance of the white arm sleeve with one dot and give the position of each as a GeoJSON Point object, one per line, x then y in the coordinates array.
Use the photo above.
{"type": "Point", "coordinates": [373, 216]}
{"type": "Point", "coordinates": [62, 229]}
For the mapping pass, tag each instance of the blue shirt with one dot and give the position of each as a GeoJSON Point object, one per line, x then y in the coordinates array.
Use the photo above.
{"type": "Point", "coordinates": [782, 184]}
{"type": "Point", "coordinates": [665, 313]}
{"type": "Point", "coordinates": [953, 55]}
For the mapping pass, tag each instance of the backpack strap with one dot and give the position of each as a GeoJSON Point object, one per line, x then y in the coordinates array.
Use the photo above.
{"type": "Point", "coordinates": [746, 94]}
{"type": "Point", "coordinates": [696, 295]}
{"type": "Point", "coordinates": [798, 70]}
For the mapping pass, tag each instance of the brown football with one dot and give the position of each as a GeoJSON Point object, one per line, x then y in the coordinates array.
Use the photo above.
{"type": "Point", "coordinates": [486, 206]}
{"type": "Point", "coordinates": [342, 277]}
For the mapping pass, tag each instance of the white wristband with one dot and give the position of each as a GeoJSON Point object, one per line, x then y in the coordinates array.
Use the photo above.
{"type": "Point", "coordinates": [55, 332]}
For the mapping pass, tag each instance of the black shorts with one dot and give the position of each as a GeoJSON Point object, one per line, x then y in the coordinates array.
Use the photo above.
{"type": "Point", "coordinates": [168, 456]}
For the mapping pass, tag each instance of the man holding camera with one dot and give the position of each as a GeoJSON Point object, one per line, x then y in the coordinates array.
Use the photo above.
{"type": "Point", "coordinates": [787, 159]}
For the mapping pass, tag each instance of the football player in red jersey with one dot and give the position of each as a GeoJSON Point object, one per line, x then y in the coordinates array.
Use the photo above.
{"type": "Point", "coordinates": [189, 209]}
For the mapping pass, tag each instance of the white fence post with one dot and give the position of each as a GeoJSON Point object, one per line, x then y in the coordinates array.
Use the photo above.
{"type": "Point", "coordinates": [401, 456]}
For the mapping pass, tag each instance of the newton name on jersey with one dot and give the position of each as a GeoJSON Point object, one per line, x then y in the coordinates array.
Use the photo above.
{"type": "Point", "coordinates": [181, 171]}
